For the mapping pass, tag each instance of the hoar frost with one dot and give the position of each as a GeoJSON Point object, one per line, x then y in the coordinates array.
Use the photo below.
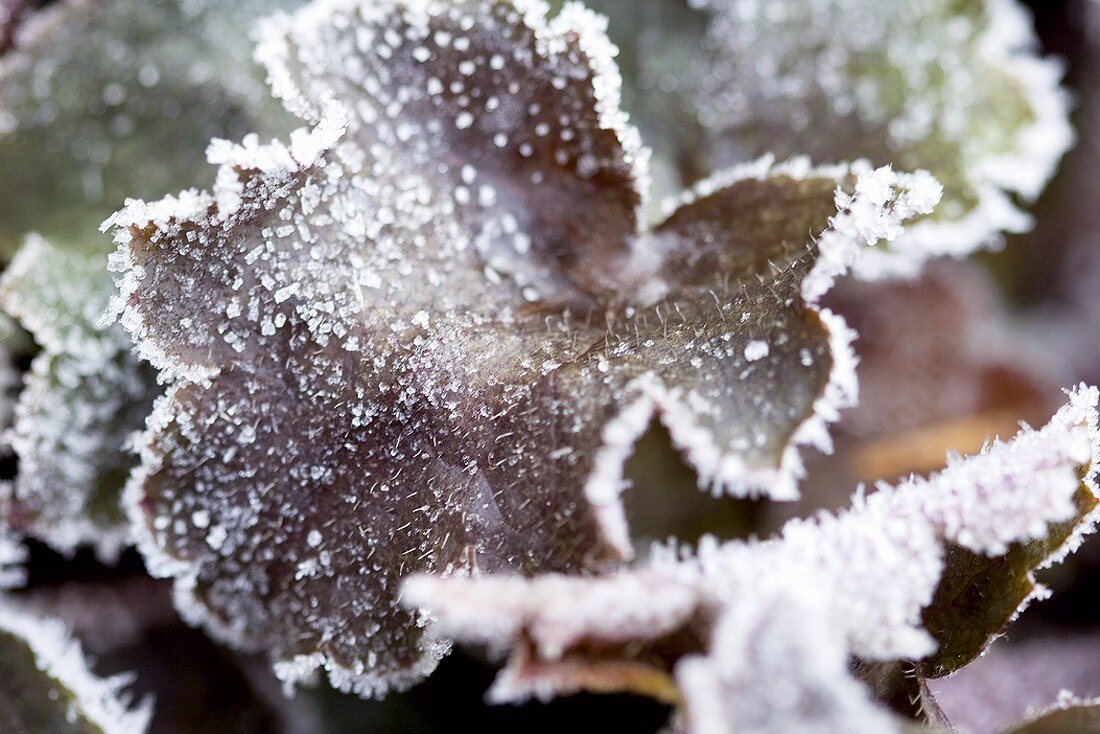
{"type": "Point", "coordinates": [424, 334]}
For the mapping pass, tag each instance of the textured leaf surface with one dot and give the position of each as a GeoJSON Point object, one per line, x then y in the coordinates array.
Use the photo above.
{"type": "Point", "coordinates": [92, 91]}
{"type": "Point", "coordinates": [84, 397]}
{"type": "Point", "coordinates": [953, 87]}
{"type": "Point", "coordinates": [424, 335]}
{"type": "Point", "coordinates": [825, 589]}
{"type": "Point", "coordinates": [45, 686]}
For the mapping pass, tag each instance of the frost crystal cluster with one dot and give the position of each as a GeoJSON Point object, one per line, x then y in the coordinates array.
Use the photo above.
{"type": "Point", "coordinates": [401, 292]}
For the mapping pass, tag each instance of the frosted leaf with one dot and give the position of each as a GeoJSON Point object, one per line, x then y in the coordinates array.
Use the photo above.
{"type": "Point", "coordinates": [954, 88]}
{"type": "Point", "coordinates": [126, 623]}
{"type": "Point", "coordinates": [46, 688]}
{"type": "Point", "coordinates": [91, 92]}
{"type": "Point", "coordinates": [425, 333]}
{"type": "Point", "coordinates": [774, 667]}
{"type": "Point", "coordinates": [859, 583]}
{"type": "Point", "coordinates": [84, 397]}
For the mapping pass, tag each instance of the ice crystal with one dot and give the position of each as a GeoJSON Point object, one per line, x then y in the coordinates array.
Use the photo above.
{"type": "Point", "coordinates": [46, 688]}
{"type": "Point", "coordinates": [866, 582]}
{"type": "Point", "coordinates": [953, 87]}
{"type": "Point", "coordinates": [84, 396]}
{"type": "Point", "coordinates": [424, 334]}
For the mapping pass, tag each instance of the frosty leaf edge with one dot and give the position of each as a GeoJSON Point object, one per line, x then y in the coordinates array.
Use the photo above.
{"type": "Point", "coordinates": [88, 702]}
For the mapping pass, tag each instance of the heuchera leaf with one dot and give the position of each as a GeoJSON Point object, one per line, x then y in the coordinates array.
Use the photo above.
{"type": "Point", "coordinates": [85, 395]}
{"type": "Point", "coordinates": [773, 624]}
{"type": "Point", "coordinates": [424, 335]}
{"type": "Point", "coordinates": [956, 88]}
{"type": "Point", "coordinates": [92, 92]}
{"type": "Point", "coordinates": [943, 365]}
{"type": "Point", "coordinates": [45, 686]}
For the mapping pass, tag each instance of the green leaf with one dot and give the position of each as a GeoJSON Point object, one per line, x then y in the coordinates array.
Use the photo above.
{"type": "Point", "coordinates": [104, 100]}
{"type": "Point", "coordinates": [979, 595]}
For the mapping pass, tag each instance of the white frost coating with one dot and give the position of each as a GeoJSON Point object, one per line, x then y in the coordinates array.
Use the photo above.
{"type": "Point", "coordinates": [591, 32]}
{"type": "Point", "coordinates": [756, 351]}
{"type": "Point", "coordinates": [787, 673]}
{"type": "Point", "coordinates": [882, 201]}
{"type": "Point", "coordinates": [360, 679]}
{"type": "Point", "coordinates": [58, 656]}
{"type": "Point", "coordinates": [185, 205]}
{"type": "Point", "coordinates": [859, 581]}
{"type": "Point", "coordinates": [1066, 701]}
{"type": "Point", "coordinates": [1011, 44]}
{"type": "Point", "coordinates": [606, 483]}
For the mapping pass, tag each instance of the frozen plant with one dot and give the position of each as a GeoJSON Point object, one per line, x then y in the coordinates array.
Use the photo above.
{"type": "Point", "coordinates": [395, 339]}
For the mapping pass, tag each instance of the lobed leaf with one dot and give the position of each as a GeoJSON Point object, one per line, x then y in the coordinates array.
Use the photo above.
{"type": "Point", "coordinates": [84, 397]}
{"type": "Point", "coordinates": [857, 584]}
{"type": "Point", "coordinates": [424, 335]}
{"type": "Point", "coordinates": [45, 686]}
{"type": "Point", "coordinates": [943, 365]}
{"type": "Point", "coordinates": [957, 88]}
